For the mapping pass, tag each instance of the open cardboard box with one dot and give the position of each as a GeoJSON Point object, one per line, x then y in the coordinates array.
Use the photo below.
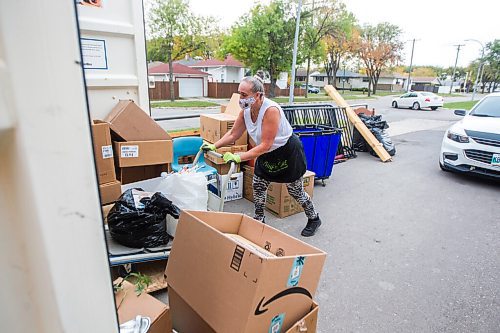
{"type": "Point", "coordinates": [232, 288]}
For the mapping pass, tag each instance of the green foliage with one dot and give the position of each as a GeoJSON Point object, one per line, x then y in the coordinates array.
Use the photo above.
{"type": "Point", "coordinates": [141, 282]}
{"type": "Point", "coordinates": [264, 39]}
{"type": "Point", "coordinates": [467, 105]}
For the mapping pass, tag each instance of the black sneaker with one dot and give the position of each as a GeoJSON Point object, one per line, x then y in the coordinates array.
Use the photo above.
{"type": "Point", "coordinates": [311, 227]}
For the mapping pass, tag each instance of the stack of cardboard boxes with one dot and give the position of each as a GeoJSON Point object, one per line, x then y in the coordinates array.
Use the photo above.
{"type": "Point", "coordinates": [129, 146]}
{"type": "Point", "coordinates": [230, 273]}
{"type": "Point", "coordinates": [212, 128]}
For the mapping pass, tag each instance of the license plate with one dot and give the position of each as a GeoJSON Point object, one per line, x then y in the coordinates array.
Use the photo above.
{"type": "Point", "coordinates": [495, 160]}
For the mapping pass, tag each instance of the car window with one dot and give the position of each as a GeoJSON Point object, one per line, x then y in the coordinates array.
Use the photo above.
{"type": "Point", "coordinates": [488, 107]}
{"type": "Point", "coordinates": [405, 95]}
{"type": "Point", "coordinates": [413, 95]}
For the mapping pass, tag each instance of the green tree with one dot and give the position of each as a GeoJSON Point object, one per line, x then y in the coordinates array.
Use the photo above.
{"type": "Point", "coordinates": [175, 31]}
{"type": "Point", "coordinates": [264, 39]}
{"type": "Point", "coordinates": [491, 69]}
{"type": "Point", "coordinates": [378, 47]}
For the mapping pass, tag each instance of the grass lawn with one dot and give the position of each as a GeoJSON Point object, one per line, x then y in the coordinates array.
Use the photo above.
{"type": "Point", "coordinates": [182, 104]}
{"type": "Point", "coordinates": [467, 105]}
{"type": "Point", "coordinates": [450, 95]}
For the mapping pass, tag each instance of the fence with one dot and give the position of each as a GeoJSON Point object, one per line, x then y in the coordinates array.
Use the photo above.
{"type": "Point", "coordinates": [226, 90]}
{"type": "Point", "coordinates": [161, 91]}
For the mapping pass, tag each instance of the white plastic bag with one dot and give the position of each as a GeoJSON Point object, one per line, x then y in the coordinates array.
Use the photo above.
{"type": "Point", "coordinates": [186, 190]}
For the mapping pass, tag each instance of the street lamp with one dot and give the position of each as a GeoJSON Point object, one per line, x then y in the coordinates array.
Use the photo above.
{"type": "Point", "coordinates": [480, 65]}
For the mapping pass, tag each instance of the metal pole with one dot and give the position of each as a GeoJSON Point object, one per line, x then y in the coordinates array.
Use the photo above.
{"type": "Point", "coordinates": [478, 68]}
{"type": "Point", "coordinates": [294, 61]}
{"type": "Point", "coordinates": [343, 80]}
{"type": "Point", "coordinates": [411, 64]}
{"type": "Point", "coordinates": [455, 68]}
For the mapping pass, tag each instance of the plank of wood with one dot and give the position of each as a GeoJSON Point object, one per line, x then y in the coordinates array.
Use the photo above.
{"type": "Point", "coordinates": [233, 107]}
{"type": "Point", "coordinates": [191, 132]}
{"type": "Point", "coordinates": [360, 126]}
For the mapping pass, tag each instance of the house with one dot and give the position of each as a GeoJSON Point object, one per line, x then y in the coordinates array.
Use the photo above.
{"type": "Point", "coordinates": [344, 79]}
{"type": "Point", "coordinates": [227, 70]}
{"type": "Point", "coordinates": [192, 82]}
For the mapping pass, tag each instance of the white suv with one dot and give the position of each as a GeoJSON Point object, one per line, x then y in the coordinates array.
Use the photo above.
{"type": "Point", "coordinates": [472, 145]}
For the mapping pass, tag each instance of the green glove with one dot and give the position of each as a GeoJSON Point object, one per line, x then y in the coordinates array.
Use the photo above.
{"type": "Point", "coordinates": [207, 147]}
{"type": "Point", "coordinates": [230, 157]}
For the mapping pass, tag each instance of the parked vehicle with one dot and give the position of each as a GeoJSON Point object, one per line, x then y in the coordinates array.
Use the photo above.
{"type": "Point", "coordinates": [472, 145]}
{"type": "Point", "coordinates": [311, 89]}
{"type": "Point", "coordinates": [417, 100]}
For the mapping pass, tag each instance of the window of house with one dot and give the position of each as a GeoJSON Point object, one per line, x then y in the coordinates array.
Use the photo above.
{"type": "Point", "coordinates": [366, 79]}
{"type": "Point", "coordinates": [320, 78]}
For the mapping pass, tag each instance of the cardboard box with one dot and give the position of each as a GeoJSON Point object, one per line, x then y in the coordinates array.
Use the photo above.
{"type": "Point", "coordinates": [214, 126]}
{"type": "Point", "coordinates": [110, 192]}
{"type": "Point", "coordinates": [222, 169]}
{"type": "Point", "coordinates": [223, 150]}
{"type": "Point", "coordinates": [103, 152]}
{"type": "Point", "coordinates": [307, 324]}
{"type": "Point", "coordinates": [135, 174]}
{"type": "Point", "coordinates": [129, 305]}
{"type": "Point", "coordinates": [278, 201]}
{"type": "Point", "coordinates": [140, 153]}
{"type": "Point", "coordinates": [129, 122]}
{"type": "Point", "coordinates": [234, 289]}
{"type": "Point", "coordinates": [105, 212]}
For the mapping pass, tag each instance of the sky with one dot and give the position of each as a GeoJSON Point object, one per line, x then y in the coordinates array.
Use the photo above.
{"type": "Point", "coordinates": [438, 25]}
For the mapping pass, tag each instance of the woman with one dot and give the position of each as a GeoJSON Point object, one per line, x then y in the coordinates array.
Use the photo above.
{"type": "Point", "coordinates": [279, 153]}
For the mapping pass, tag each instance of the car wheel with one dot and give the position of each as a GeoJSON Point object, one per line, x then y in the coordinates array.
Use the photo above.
{"type": "Point", "coordinates": [395, 104]}
{"type": "Point", "coordinates": [416, 106]}
{"type": "Point", "coordinates": [434, 108]}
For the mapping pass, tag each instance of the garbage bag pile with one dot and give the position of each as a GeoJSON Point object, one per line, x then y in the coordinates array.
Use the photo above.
{"type": "Point", "coordinates": [138, 219]}
{"type": "Point", "coordinates": [378, 128]}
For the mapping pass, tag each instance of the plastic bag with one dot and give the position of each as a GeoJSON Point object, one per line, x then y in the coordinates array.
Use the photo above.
{"type": "Point", "coordinates": [385, 139]}
{"type": "Point", "coordinates": [138, 219]}
{"type": "Point", "coordinates": [378, 128]}
{"type": "Point", "coordinates": [187, 190]}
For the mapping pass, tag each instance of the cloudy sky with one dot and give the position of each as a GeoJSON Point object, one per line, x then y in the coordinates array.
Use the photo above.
{"type": "Point", "coordinates": [438, 24]}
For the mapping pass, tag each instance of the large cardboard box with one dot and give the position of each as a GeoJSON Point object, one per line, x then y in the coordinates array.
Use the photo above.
{"type": "Point", "coordinates": [130, 305]}
{"type": "Point", "coordinates": [140, 153]}
{"type": "Point", "coordinates": [135, 174]}
{"type": "Point", "coordinates": [131, 123]}
{"type": "Point", "coordinates": [214, 126]}
{"type": "Point", "coordinates": [234, 289]}
{"type": "Point", "coordinates": [307, 324]}
{"type": "Point", "coordinates": [222, 150]}
{"type": "Point", "coordinates": [110, 192]}
{"type": "Point", "coordinates": [103, 152]}
{"type": "Point", "coordinates": [278, 200]}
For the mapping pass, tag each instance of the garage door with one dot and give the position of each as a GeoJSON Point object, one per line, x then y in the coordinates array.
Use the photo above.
{"type": "Point", "coordinates": [190, 87]}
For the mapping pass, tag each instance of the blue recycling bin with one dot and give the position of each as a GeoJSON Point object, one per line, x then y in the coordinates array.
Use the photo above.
{"type": "Point", "coordinates": [320, 146]}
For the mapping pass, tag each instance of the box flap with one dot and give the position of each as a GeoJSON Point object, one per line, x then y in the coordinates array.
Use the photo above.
{"type": "Point", "coordinates": [233, 107]}
{"type": "Point", "coordinates": [130, 122]}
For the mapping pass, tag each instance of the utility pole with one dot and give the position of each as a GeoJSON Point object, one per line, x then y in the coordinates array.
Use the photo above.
{"type": "Point", "coordinates": [455, 68]}
{"type": "Point", "coordinates": [294, 61]}
{"type": "Point", "coordinates": [479, 68]}
{"type": "Point", "coordinates": [411, 64]}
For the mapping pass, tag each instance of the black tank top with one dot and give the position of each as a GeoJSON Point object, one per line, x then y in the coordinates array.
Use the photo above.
{"type": "Point", "coordinates": [285, 164]}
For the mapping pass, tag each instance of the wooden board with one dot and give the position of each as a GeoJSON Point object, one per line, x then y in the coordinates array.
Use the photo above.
{"type": "Point", "coordinates": [360, 126]}
{"type": "Point", "coordinates": [233, 107]}
{"type": "Point", "coordinates": [191, 132]}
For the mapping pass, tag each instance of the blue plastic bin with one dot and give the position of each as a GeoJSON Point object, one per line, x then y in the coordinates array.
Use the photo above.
{"type": "Point", "coordinates": [320, 146]}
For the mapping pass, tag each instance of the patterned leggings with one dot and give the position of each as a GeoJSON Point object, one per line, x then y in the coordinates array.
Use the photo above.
{"type": "Point", "coordinates": [295, 189]}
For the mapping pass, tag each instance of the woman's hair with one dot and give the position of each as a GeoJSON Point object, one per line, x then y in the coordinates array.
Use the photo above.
{"type": "Point", "coordinates": [256, 81]}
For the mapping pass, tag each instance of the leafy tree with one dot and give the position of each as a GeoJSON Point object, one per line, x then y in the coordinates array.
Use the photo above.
{"type": "Point", "coordinates": [264, 39]}
{"type": "Point", "coordinates": [491, 70]}
{"type": "Point", "coordinates": [175, 32]}
{"type": "Point", "coordinates": [339, 42]}
{"type": "Point", "coordinates": [378, 47]}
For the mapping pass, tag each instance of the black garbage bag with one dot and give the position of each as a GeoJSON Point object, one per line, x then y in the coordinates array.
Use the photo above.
{"type": "Point", "coordinates": [138, 219]}
{"type": "Point", "coordinates": [378, 128]}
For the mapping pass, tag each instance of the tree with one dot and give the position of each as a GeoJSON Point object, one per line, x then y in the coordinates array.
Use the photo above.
{"type": "Point", "coordinates": [339, 43]}
{"type": "Point", "coordinates": [491, 70]}
{"type": "Point", "coordinates": [323, 22]}
{"type": "Point", "coordinates": [378, 47]}
{"type": "Point", "coordinates": [175, 32]}
{"type": "Point", "coordinates": [264, 39]}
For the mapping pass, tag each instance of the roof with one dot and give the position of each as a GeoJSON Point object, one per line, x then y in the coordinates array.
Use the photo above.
{"type": "Point", "coordinates": [423, 79]}
{"type": "Point", "coordinates": [229, 61]}
{"type": "Point", "coordinates": [186, 62]}
{"type": "Point", "coordinates": [178, 69]}
{"type": "Point", "coordinates": [152, 64]}
{"type": "Point", "coordinates": [340, 73]}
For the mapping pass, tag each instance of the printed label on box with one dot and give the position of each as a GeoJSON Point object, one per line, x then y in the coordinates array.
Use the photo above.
{"type": "Point", "coordinates": [298, 264]}
{"type": "Point", "coordinates": [129, 151]}
{"type": "Point", "coordinates": [107, 152]}
{"type": "Point", "coordinates": [277, 323]}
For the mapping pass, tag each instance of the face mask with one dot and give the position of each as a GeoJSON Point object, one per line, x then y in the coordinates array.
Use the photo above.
{"type": "Point", "coordinates": [247, 102]}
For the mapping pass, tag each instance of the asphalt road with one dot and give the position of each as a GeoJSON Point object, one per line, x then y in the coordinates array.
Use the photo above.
{"type": "Point", "coordinates": [410, 248]}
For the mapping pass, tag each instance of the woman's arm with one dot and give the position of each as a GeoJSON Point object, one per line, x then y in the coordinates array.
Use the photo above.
{"type": "Point", "coordinates": [270, 125]}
